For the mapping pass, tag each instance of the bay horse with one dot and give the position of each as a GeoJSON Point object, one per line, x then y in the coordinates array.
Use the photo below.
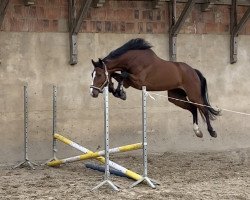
{"type": "Point", "coordinates": [139, 66]}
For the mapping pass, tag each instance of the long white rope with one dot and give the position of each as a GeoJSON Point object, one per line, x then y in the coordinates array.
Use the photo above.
{"type": "Point", "coordinates": [215, 108]}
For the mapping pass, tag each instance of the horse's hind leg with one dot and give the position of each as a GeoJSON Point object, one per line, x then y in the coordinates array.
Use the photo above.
{"type": "Point", "coordinates": [194, 94]}
{"type": "Point", "coordinates": [209, 126]}
{"type": "Point", "coordinates": [180, 94]}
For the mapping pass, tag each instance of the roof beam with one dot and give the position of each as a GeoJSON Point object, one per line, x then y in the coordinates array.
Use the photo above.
{"type": "Point", "coordinates": [217, 2]}
{"type": "Point", "coordinates": [158, 3]}
{"type": "Point", "coordinates": [3, 8]}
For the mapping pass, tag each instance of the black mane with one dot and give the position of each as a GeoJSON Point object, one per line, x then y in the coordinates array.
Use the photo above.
{"type": "Point", "coordinates": [134, 44]}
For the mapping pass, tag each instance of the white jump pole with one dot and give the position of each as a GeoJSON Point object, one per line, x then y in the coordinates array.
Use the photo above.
{"type": "Point", "coordinates": [89, 155]}
{"type": "Point", "coordinates": [106, 143]}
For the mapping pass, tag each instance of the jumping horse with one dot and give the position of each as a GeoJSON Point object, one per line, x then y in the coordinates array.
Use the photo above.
{"type": "Point", "coordinates": [135, 64]}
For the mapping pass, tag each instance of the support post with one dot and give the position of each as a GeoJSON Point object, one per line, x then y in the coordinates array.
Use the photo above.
{"type": "Point", "coordinates": [235, 29]}
{"type": "Point", "coordinates": [172, 38]}
{"type": "Point", "coordinates": [176, 26]}
{"type": "Point", "coordinates": [3, 8]}
{"type": "Point", "coordinates": [75, 23]}
{"type": "Point", "coordinates": [54, 121]}
{"type": "Point", "coordinates": [233, 38]}
{"type": "Point", "coordinates": [26, 161]}
{"type": "Point", "coordinates": [72, 36]}
{"type": "Point", "coordinates": [145, 177]}
{"type": "Point", "coordinates": [106, 143]}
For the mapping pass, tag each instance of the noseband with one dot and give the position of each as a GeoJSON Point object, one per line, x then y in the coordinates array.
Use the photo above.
{"type": "Point", "coordinates": [101, 88]}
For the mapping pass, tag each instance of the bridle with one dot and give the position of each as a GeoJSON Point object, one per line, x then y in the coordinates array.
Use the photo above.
{"type": "Point", "coordinates": [106, 82]}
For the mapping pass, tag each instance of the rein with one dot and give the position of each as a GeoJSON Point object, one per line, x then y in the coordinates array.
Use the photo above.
{"type": "Point", "coordinates": [106, 82]}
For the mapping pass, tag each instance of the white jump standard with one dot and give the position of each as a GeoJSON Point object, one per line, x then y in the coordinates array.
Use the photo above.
{"type": "Point", "coordinates": [145, 177]}
{"type": "Point", "coordinates": [54, 117]}
{"type": "Point", "coordinates": [106, 143]}
{"type": "Point", "coordinates": [61, 138]}
{"type": "Point", "coordinates": [26, 159]}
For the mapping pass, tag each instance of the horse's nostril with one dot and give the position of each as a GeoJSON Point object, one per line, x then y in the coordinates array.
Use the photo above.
{"type": "Point", "coordinates": [94, 94]}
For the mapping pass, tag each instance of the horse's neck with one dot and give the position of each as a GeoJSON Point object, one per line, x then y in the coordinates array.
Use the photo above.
{"type": "Point", "coordinates": [116, 65]}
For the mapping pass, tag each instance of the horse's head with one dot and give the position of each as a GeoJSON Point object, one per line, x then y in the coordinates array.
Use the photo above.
{"type": "Point", "coordinates": [100, 78]}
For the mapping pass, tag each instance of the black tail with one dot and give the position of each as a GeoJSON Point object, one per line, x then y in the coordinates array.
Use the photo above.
{"type": "Point", "coordinates": [204, 92]}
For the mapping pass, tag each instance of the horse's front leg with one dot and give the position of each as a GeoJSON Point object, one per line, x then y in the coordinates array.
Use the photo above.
{"type": "Point", "coordinates": [111, 85]}
{"type": "Point", "coordinates": [119, 92]}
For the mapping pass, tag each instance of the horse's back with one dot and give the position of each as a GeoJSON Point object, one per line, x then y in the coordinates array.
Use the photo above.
{"type": "Point", "coordinates": [159, 74]}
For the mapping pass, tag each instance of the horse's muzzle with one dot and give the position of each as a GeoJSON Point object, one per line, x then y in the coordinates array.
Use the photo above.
{"type": "Point", "coordinates": [94, 92]}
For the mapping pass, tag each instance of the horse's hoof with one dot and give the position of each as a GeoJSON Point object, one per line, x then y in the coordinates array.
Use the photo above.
{"type": "Point", "coordinates": [213, 134]}
{"type": "Point", "coordinates": [116, 95]}
{"type": "Point", "coordinates": [198, 133]}
{"type": "Point", "coordinates": [123, 95]}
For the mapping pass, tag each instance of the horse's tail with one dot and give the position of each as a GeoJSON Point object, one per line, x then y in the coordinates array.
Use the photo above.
{"type": "Point", "coordinates": [204, 92]}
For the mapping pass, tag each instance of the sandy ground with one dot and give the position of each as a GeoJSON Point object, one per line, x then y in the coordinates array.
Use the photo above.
{"type": "Point", "coordinates": [217, 175]}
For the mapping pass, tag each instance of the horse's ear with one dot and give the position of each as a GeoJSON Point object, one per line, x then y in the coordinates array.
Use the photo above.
{"type": "Point", "coordinates": [94, 63]}
{"type": "Point", "coordinates": [100, 62]}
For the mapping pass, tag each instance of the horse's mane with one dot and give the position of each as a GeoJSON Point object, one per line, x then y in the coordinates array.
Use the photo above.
{"type": "Point", "coordinates": [134, 44]}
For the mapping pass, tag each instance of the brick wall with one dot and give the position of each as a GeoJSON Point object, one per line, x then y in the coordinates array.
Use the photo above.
{"type": "Point", "coordinates": [117, 17]}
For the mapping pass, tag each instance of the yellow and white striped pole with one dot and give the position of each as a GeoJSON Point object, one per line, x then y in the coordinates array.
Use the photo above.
{"type": "Point", "coordinates": [89, 155]}
{"type": "Point", "coordinates": [114, 165]}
